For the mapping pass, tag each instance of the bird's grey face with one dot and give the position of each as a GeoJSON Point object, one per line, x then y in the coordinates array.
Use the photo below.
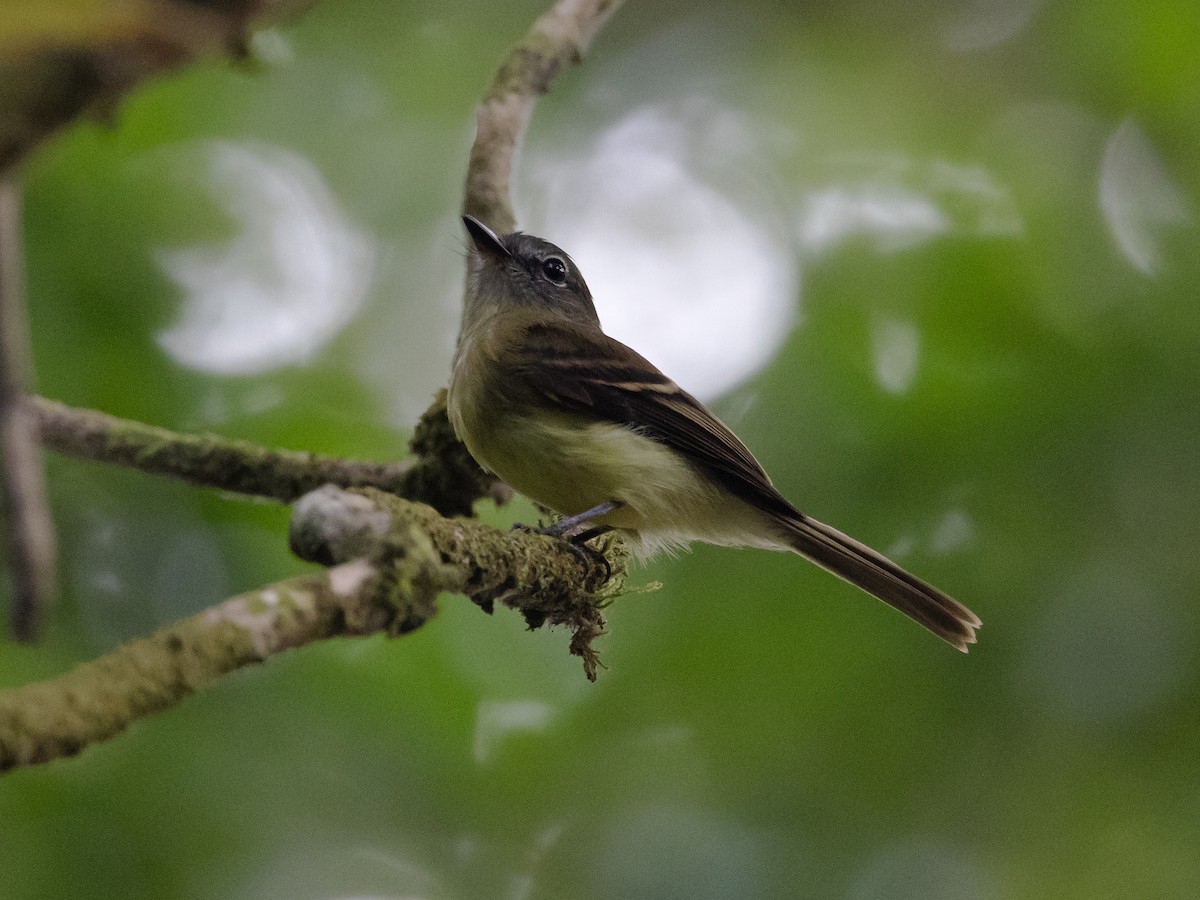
{"type": "Point", "coordinates": [525, 270]}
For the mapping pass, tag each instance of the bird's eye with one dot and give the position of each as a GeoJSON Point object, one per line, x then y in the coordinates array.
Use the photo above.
{"type": "Point", "coordinates": [555, 270]}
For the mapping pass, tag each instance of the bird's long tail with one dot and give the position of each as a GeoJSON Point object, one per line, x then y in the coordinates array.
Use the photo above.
{"type": "Point", "coordinates": [879, 576]}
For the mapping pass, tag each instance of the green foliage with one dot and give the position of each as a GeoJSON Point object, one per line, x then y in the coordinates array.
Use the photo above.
{"type": "Point", "coordinates": [762, 729]}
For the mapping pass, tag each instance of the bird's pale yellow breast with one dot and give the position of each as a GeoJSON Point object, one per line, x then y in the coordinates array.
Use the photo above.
{"type": "Point", "coordinates": [572, 462]}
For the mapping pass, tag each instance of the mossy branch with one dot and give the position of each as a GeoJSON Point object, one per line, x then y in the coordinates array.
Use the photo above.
{"type": "Point", "coordinates": [547, 579]}
{"type": "Point", "coordinates": [101, 698]}
{"type": "Point", "coordinates": [390, 558]}
{"type": "Point", "coordinates": [443, 474]}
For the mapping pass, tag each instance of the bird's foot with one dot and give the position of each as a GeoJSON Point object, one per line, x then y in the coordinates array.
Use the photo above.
{"type": "Point", "coordinates": [589, 557]}
{"type": "Point", "coordinates": [568, 530]}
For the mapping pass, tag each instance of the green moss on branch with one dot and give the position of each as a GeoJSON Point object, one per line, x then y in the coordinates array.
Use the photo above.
{"type": "Point", "coordinates": [543, 578]}
{"type": "Point", "coordinates": [99, 699]}
{"type": "Point", "coordinates": [443, 473]}
{"type": "Point", "coordinates": [390, 558]}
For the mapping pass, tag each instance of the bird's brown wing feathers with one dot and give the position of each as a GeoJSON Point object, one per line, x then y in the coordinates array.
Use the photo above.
{"type": "Point", "coordinates": [587, 371]}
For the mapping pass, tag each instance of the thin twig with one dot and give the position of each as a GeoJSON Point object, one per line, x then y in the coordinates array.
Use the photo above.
{"type": "Point", "coordinates": [557, 39]}
{"type": "Point", "coordinates": [29, 529]}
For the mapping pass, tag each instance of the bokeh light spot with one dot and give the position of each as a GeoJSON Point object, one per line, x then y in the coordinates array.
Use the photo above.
{"type": "Point", "coordinates": [1138, 197]}
{"type": "Point", "coordinates": [294, 274]}
{"type": "Point", "coordinates": [683, 262]}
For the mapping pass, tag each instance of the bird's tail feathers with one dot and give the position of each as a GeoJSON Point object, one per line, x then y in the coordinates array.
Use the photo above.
{"type": "Point", "coordinates": [879, 576]}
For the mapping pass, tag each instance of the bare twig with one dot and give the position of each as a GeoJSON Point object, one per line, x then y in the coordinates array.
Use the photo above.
{"type": "Point", "coordinates": [557, 39]}
{"type": "Point", "coordinates": [29, 538]}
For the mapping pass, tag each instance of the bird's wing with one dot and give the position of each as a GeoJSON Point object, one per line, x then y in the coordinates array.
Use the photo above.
{"type": "Point", "coordinates": [585, 371]}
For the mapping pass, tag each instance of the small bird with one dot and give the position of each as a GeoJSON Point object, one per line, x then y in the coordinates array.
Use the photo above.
{"type": "Point", "coordinates": [589, 428]}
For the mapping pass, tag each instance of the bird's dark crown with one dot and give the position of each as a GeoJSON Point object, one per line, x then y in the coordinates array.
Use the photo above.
{"type": "Point", "coordinates": [533, 253]}
{"type": "Point", "coordinates": [532, 271]}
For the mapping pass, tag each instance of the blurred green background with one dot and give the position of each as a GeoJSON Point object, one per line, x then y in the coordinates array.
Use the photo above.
{"type": "Point", "coordinates": [937, 264]}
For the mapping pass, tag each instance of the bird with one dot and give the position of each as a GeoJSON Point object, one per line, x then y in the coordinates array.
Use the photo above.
{"type": "Point", "coordinates": [587, 427]}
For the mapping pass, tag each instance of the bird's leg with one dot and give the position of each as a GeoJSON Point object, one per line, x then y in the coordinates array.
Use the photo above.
{"type": "Point", "coordinates": [564, 527]}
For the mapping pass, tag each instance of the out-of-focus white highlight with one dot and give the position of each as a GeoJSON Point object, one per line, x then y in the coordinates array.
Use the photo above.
{"type": "Point", "coordinates": [681, 260]}
{"type": "Point", "coordinates": [1138, 197]}
{"type": "Point", "coordinates": [333, 864]}
{"type": "Point", "coordinates": [495, 720]}
{"type": "Point", "coordinates": [295, 273]}
{"type": "Point", "coordinates": [270, 45]}
{"type": "Point", "coordinates": [954, 532]}
{"type": "Point", "coordinates": [895, 203]}
{"type": "Point", "coordinates": [897, 347]}
{"type": "Point", "coordinates": [895, 217]}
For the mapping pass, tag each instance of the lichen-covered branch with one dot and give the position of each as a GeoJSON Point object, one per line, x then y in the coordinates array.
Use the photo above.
{"type": "Point", "coordinates": [29, 541]}
{"type": "Point", "coordinates": [207, 460]}
{"type": "Point", "coordinates": [557, 39]}
{"type": "Point", "coordinates": [548, 580]}
{"type": "Point", "coordinates": [443, 475]}
{"type": "Point", "coordinates": [390, 560]}
{"type": "Point", "coordinates": [99, 699]}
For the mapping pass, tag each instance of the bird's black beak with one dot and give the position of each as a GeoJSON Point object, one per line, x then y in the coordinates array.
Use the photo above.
{"type": "Point", "coordinates": [486, 240]}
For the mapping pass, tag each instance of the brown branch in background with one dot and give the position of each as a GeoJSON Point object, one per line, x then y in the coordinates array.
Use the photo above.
{"type": "Point", "coordinates": [559, 38]}
{"type": "Point", "coordinates": [52, 72]}
{"type": "Point", "coordinates": [29, 529]}
{"type": "Point", "coordinates": [391, 558]}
